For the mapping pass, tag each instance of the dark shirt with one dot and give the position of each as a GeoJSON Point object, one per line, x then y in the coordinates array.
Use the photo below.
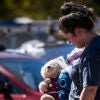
{"type": "Point", "coordinates": [87, 71]}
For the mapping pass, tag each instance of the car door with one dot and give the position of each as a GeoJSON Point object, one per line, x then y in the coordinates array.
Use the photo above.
{"type": "Point", "coordinates": [12, 89]}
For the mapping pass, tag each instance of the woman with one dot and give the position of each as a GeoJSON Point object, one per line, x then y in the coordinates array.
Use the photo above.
{"type": "Point", "coordinates": [76, 24]}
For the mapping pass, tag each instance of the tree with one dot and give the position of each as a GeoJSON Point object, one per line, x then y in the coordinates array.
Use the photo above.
{"type": "Point", "coordinates": [38, 9]}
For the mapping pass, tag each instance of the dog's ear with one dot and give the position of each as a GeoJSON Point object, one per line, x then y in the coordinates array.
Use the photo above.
{"type": "Point", "coordinates": [43, 72]}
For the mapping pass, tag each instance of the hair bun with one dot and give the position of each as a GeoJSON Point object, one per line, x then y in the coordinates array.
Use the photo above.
{"type": "Point", "coordinates": [66, 8]}
{"type": "Point", "coordinates": [71, 7]}
{"type": "Point", "coordinates": [80, 9]}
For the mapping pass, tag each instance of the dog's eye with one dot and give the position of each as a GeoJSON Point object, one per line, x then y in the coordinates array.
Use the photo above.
{"type": "Point", "coordinates": [49, 67]}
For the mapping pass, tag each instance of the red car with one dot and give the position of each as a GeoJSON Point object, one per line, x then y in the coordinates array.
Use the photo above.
{"type": "Point", "coordinates": [19, 77]}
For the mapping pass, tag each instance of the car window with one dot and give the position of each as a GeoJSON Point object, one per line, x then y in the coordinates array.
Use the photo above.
{"type": "Point", "coordinates": [8, 87]}
{"type": "Point", "coordinates": [28, 71]}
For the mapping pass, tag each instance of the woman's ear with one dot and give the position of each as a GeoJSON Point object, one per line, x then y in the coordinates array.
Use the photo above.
{"type": "Point", "coordinates": [78, 31]}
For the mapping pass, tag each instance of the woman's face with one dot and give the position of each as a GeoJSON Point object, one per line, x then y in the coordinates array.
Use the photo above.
{"type": "Point", "coordinates": [76, 40]}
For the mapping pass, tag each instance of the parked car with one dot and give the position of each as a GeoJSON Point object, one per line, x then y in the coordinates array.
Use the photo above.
{"type": "Point", "coordinates": [43, 50]}
{"type": "Point", "coordinates": [19, 76]}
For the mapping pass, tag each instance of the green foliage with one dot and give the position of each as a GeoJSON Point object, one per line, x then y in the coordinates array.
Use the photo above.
{"type": "Point", "coordinates": [38, 9]}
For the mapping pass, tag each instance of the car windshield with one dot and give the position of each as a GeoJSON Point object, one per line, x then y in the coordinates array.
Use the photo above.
{"type": "Point", "coordinates": [56, 51]}
{"type": "Point", "coordinates": [28, 71]}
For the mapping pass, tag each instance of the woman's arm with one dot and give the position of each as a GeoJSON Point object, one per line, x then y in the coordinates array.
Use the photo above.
{"type": "Point", "coordinates": [88, 93]}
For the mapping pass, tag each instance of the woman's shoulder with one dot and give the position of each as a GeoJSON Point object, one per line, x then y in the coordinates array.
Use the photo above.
{"type": "Point", "coordinates": [94, 47]}
{"type": "Point", "coordinates": [95, 43]}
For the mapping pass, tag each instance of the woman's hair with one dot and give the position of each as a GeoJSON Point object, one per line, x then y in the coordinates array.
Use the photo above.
{"type": "Point", "coordinates": [76, 15]}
